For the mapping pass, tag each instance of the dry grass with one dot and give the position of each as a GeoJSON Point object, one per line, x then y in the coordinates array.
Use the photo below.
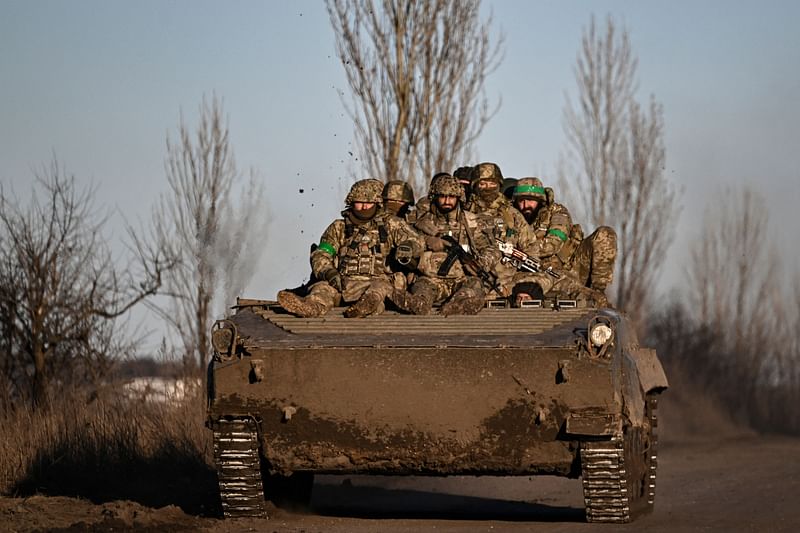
{"type": "Point", "coordinates": [111, 448]}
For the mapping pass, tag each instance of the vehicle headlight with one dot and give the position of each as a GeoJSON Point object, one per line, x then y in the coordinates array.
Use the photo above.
{"type": "Point", "coordinates": [600, 334]}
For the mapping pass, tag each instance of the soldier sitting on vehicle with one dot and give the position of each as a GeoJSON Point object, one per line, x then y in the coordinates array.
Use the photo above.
{"type": "Point", "coordinates": [457, 251]}
{"type": "Point", "coordinates": [351, 259]}
{"type": "Point", "coordinates": [464, 177]}
{"type": "Point", "coordinates": [424, 203]}
{"type": "Point", "coordinates": [505, 225]}
{"type": "Point", "coordinates": [560, 243]}
{"type": "Point", "coordinates": [398, 199]}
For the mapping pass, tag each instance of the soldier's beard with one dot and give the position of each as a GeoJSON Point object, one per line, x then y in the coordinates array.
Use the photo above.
{"type": "Point", "coordinates": [365, 214]}
{"type": "Point", "coordinates": [529, 213]}
{"type": "Point", "coordinates": [444, 209]}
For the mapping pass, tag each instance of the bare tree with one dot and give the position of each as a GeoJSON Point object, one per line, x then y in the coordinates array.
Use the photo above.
{"type": "Point", "coordinates": [620, 150]}
{"type": "Point", "coordinates": [416, 71]}
{"type": "Point", "coordinates": [737, 292]}
{"type": "Point", "coordinates": [735, 278]}
{"type": "Point", "coordinates": [218, 241]}
{"type": "Point", "coordinates": [61, 290]}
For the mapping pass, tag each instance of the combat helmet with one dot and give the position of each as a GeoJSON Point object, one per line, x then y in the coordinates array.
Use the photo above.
{"type": "Point", "coordinates": [530, 188]}
{"type": "Point", "coordinates": [464, 174]}
{"type": "Point", "coordinates": [368, 190]}
{"type": "Point", "coordinates": [398, 190]}
{"type": "Point", "coordinates": [447, 185]}
{"type": "Point", "coordinates": [487, 171]}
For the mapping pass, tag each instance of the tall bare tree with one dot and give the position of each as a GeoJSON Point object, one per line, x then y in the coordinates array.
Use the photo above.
{"type": "Point", "coordinates": [217, 239]}
{"type": "Point", "coordinates": [619, 148]}
{"type": "Point", "coordinates": [60, 288]}
{"type": "Point", "coordinates": [735, 279]}
{"type": "Point", "coordinates": [416, 71]}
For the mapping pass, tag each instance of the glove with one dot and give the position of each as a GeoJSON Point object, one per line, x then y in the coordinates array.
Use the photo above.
{"type": "Point", "coordinates": [333, 277]}
{"type": "Point", "coordinates": [435, 244]}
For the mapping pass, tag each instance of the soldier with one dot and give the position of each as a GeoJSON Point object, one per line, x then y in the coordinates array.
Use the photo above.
{"type": "Point", "coordinates": [560, 243]}
{"type": "Point", "coordinates": [351, 259]}
{"type": "Point", "coordinates": [424, 203]}
{"type": "Point", "coordinates": [464, 177]}
{"type": "Point", "coordinates": [504, 222]}
{"type": "Point", "coordinates": [398, 199]}
{"type": "Point", "coordinates": [442, 278]}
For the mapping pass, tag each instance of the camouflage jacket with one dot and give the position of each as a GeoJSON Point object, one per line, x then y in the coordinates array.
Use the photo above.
{"type": "Point", "coordinates": [556, 236]}
{"type": "Point", "coordinates": [362, 249]}
{"type": "Point", "coordinates": [504, 222]}
{"type": "Point", "coordinates": [464, 227]}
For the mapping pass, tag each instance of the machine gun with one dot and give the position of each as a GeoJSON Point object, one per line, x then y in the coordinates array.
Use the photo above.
{"type": "Point", "coordinates": [522, 261]}
{"type": "Point", "coordinates": [468, 261]}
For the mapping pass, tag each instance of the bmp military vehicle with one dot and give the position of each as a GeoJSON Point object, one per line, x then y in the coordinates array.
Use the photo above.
{"type": "Point", "coordinates": [554, 388]}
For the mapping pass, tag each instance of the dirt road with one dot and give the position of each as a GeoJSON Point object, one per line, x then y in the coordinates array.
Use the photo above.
{"type": "Point", "coordinates": [742, 483]}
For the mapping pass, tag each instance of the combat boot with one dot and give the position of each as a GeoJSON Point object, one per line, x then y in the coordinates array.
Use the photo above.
{"type": "Point", "coordinates": [411, 303]}
{"type": "Point", "coordinates": [300, 306]}
{"type": "Point", "coordinates": [463, 305]}
{"type": "Point", "coordinates": [369, 304]}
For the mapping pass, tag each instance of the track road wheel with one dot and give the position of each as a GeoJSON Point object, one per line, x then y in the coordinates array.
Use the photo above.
{"type": "Point", "coordinates": [236, 454]}
{"type": "Point", "coordinates": [619, 475]}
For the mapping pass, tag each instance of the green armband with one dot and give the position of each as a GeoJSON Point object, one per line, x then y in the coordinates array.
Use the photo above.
{"type": "Point", "coordinates": [557, 232]}
{"type": "Point", "coordinates": [327, 247]}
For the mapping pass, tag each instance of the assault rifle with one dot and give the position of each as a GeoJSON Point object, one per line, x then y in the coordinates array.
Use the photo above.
{"type": "Point", "coordinates": [468, 261]}
{"type": "Point", "coordinates": [522, 261]}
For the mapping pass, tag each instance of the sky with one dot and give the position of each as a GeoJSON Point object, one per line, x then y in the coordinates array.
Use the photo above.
{"type": "Point", "coordinates": [100, 84]}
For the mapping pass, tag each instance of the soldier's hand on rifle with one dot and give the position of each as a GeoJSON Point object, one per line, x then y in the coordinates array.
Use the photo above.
{"type": "Point", "coordinates": [333, 277]}
{"type": "Point", "coordinates": [435, 244]}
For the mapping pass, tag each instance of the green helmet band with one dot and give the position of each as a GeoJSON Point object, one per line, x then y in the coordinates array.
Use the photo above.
{"type": "Point", "coordinates": [522, 189]}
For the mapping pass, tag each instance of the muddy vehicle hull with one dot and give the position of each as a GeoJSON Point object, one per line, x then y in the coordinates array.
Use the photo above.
{"type": "Point", "coordinates": [505, 392]}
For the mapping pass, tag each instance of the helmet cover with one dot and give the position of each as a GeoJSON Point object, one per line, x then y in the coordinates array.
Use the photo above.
{"type": "Point", "coordinates": [398, 190]}
{"type": "Point", "coordinates": [368, 191]}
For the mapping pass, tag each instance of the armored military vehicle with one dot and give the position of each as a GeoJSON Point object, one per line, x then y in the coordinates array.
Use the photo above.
{"type": "Point", "coordinates": [555, 388]}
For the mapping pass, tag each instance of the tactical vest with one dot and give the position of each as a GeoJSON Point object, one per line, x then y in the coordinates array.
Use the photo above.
{"type": "Point", "coordinates": [431, 262]}
{"type": "Point", "coordinates": [365, 248]}
{"type": "Point", "coordinates": [496, 218]}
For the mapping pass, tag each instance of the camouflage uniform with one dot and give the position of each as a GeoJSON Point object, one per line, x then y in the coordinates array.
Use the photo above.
{"type": "Point", "coordinates": [504, 223]}
{"type": "Point", "coordinates": [461, 292]}
{"type": "Point", "coordinates": [352, 259]}
{"type": "Point", "coordinates": [561, 244]}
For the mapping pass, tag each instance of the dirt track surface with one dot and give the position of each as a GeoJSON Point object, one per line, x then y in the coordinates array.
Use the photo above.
{"type": "Point", "coordinates": [741, 483]}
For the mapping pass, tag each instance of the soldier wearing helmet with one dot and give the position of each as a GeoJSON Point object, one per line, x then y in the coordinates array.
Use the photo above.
{"type": "Point", "coordinates": [499, 218]}
{"type": "Point", "coordinates": [351, 259]}
{"type": "Point", "coordinates": [398, 198]}
{"type": "Point", "coordinates": [464, 177]}
{"type": "Point", "coordinates": [441, 281]}
{"type": "Point", "coordinates": [560, 243]}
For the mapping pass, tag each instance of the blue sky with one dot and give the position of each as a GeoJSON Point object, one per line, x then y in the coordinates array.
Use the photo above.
{"type": "Point", "coordinates": [100, 83]}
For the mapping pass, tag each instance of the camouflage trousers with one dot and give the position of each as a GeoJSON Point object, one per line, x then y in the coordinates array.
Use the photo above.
{"type": "Point", "coordinates": [352, 289]}
{"type": "Point", "coordinates": [593, 260]}
{"type": "Point", "coordinates": [438, 290]}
